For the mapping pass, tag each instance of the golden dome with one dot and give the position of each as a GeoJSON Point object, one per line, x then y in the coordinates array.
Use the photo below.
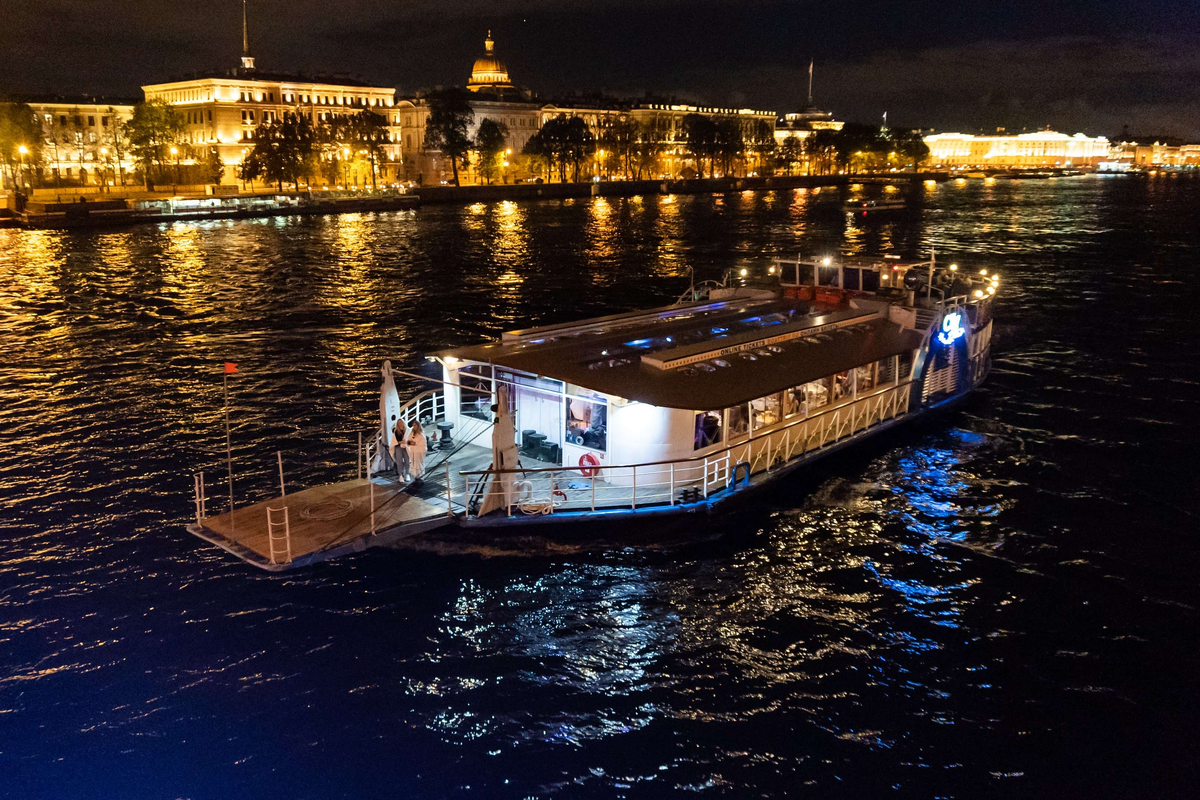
{"type": "Point", "coordinates": [489, 71]}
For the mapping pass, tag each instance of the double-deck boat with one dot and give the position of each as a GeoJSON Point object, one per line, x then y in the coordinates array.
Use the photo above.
{"type": "Point", "coordinates": [662, 413]}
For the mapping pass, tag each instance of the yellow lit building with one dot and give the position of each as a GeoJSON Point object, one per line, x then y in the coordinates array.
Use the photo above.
{"type": "Point", "coordinates": [222, 109]}
{"type": "Point", "coordinates": [1040, 149]}
{"type": "Point", "coordinates": [84, 144]}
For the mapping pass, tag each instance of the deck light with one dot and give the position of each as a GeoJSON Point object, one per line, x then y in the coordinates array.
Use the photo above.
{"type": "Point", "coordinates": [825, 261]}
{"type": "Point", "coordinates": [979, 294]}
{"type": "Point", "coordinates": [743, 272]}
{"type": "Point", "coordinates": [771, 270]}
{"type": "Point", "coordinates": [954, 267]}
{"type": "Point", "coordinates": [983, 272]}
{"type": "Point", "coordinates": [451, 361]}
{"type": "Point", "coordinates": [991, 290]}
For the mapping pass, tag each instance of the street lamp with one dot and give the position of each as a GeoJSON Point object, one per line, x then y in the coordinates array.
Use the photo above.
{"type": "Point", "coordinates": [23, 150]}
{"type": "Point", "coordinates": [175, 155]}
{"type": "Point", "coordinates": [346, 167]}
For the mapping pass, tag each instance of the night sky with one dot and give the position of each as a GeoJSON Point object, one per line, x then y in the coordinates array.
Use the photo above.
{"type": "Point", "coordinates": [1094, 66]}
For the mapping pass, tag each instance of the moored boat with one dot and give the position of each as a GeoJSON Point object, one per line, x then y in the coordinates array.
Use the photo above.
{"type": "Point", "coordinates": [657, 413]}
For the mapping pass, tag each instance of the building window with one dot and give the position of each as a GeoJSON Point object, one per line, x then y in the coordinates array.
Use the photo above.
{"type": "Point", "coordinates": [841, 385]}
{"type": "Point", "coordinates": [104, 122]}
{"type": "Point", "coordinates": [708, 429]}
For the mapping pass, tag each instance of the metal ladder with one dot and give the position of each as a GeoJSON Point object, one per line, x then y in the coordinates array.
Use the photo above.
{"type": "Point", "coordinates": [275, 537]}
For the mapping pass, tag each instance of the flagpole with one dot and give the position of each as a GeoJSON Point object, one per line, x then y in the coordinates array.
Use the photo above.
{"type": "Point", "coordinates": [228, 449]}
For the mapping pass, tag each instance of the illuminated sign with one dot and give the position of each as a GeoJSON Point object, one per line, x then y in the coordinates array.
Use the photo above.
{"type": "Point", "coordinates": [952, 328]}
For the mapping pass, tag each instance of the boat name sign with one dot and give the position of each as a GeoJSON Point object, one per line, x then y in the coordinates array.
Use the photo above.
{"type": "Point", "coordinates": [952, 328]}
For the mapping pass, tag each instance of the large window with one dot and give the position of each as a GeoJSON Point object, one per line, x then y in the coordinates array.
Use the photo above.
{"type": "Point", "coordinates": [842, 387]}
{"type": "Point", "coordinates": [476, 383]}
{"type": "Point", "coordinates": [708, 429]}
{"type": "Point", "coordinates": [865, 377]}
{"type": "Point", "coordinates": [738, 420]}
{"type": "Point", "coordinates": [765, 411]}
{"type": "Point", "coordinates": [793, 401]}
{"type": "Point", "coordinates": [587, 422]}
{"type": "Point", "coordinates": [817, 393]}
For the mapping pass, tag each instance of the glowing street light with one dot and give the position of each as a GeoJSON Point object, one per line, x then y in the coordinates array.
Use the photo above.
{"type": "Point", "coordinates": [175, 155]}
{"type": "Point", "coordinates": [23, 150]}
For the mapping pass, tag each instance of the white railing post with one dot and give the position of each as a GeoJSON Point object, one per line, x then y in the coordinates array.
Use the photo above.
{"type": "Point", "coordinates": [594, 489]}
{"type": "Point", "coordinates": [672, 483]}
{"type": "Point", "coordinates": [449, 507]}
{"type": "Point", "coordinates": [371, 491]}
{"type": "Point", "coordinates": [706, 476]}
{"type": "Point", "coordinates": [359, 460]}
{"type": "Point", "coordinates": [634, 486]}
{"type": "Point", "coordinates": [282, 490]}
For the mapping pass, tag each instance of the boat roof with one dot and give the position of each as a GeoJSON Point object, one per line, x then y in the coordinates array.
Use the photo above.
{"type": "Point", "coordinates": [669, 356]}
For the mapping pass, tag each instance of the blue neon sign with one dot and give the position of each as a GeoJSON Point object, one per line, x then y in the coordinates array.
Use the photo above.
{"type": "Point", "coordinates": [952, 328]}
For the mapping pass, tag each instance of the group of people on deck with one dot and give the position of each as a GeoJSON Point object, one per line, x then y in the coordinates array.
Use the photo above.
{"type": "Point", "coordinates": [407, 447]}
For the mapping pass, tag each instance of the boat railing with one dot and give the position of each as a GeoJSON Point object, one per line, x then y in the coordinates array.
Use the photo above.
{"type": "Point", "coordinates": [549, 490]}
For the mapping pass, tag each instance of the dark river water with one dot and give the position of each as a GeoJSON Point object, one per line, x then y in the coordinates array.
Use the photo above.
{"type": "Point", "coordinates": [1001, 601]}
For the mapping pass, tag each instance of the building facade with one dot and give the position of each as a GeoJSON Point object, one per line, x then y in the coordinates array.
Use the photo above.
{"type": "Point", "coordinates": [1022, 150]}
{"type": "Point", "coordinates": [222, 110]}
{"type": "Point", "coordinates": [84, 142]}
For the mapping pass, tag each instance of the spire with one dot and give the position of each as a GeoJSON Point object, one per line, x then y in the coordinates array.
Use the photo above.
{"type": "Point", "coordinates": [247, 59]}
{"type": "Point", "coordinates": [810, 73]}
{"type": "Point", "coordinates": [488, 44]}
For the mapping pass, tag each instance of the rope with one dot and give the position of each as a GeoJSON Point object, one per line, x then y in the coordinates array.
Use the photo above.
{"type": "Point", "coordinates": [327, 510]}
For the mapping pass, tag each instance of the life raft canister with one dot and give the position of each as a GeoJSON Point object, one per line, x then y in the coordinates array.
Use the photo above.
{"type": "Point", "coordinates": [588, 464]}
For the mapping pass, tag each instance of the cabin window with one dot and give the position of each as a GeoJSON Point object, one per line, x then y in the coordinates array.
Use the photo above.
{"type": "Point", "coordinates": [587, 423]}
{"type": "Point", "coordinates": [885, 370]}
{"type": "Point", "coordinates": [866, 378]}
{"type": "Point", "coordinates": [906, 363]}
{"type": "Point", "coordinates": [816, 393]}
{"type": "Point", "coordinates": [766, 411]}
{"type": "Point", "coordinates": [476, 390]}
{"type": "Point", "coordinates": [842, 386]}
{"type": "Point", "coordinates": [793, 401]}
{"type": "Point", "coordinates": [737, 420]}
{"type": "Point", "coordinates": [708, 429]}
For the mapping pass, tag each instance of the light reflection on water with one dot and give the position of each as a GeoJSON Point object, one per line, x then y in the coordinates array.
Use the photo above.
{"type": "Point", "coordinates": [937, 611]}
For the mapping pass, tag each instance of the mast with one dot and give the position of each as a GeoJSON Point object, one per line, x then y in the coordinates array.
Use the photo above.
{"type": "Point", "coordinates": [810, 77]}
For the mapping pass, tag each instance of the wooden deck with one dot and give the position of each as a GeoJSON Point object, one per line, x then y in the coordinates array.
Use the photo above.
{"type": "Point", "coordinates": [323, 522]}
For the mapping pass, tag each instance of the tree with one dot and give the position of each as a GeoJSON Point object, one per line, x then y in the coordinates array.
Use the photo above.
{"type": "Point", "coordinates": [446, 129]}
{"type": "Point", "coordinates": [370, 132]}
{"type": "Point", "coordinates": [910, 146]}
{"type": "Point", "coordinates": [728, 144]}
{"type": "Point", "coordinates": [791, 152]}
{"type": "Point", "coordinates": [116, 139]}
{"type": "Point", "coordinates": [619, 136]}
{"type": "Point", "coordinates": [490, 141]}
{"type": "Point", "coordinates": [762, 145]}
{"type": "Point", "coordinates": [700, 138]}
{"type": "Point", "coordinates": [821, 150]}
{"type": "Point", "coordinates": [19, 127]}
{"type": "Point", "coordinates": [282, 150]}
{"type": "Point", "coordinates": [536, 150]}
{"type": "Point", "coordinates": [647, 147]}
{"type": "Point", "coordinates": [213, 166]}
{"type": "Point", "coordinates": [153, 128]}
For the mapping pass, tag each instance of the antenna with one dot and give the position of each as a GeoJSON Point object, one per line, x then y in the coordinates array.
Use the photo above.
{"type": "Point", "coordinates": [810, 76]}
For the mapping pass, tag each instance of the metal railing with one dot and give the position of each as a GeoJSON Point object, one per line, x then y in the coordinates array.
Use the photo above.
{"type": "Point", "coordinates": [201, 496]}
{"type": "Point", "coordinates": [548, 490]}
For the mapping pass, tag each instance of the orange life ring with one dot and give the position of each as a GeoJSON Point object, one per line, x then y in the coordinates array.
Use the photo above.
{"type": "Point", "coordinates": [588, 464]}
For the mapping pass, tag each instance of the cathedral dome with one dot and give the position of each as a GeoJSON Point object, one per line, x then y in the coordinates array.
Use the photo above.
{"type": "Point", "coordinates": [489, 72]}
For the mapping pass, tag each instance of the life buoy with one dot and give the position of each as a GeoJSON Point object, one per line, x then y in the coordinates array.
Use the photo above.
{"type": "Point", "coordinates": [588, 465]}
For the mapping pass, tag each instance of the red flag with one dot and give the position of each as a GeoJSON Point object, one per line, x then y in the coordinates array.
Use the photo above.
{"type": "Point", "coordinates": [230, 368]}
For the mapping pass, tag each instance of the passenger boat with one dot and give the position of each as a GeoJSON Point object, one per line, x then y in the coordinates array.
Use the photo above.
{"type": "Point", "coordinates": [660, 413]}
{"type": "Point", "coordinates": [865, 207]}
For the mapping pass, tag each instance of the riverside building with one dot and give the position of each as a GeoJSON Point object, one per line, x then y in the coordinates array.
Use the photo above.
{"type": "Point", "coordinates": [221, 109]}
{"type": "Point", "coordinates": [84, 144]}
{"type": "Point", "coordinates": [1022, 150]}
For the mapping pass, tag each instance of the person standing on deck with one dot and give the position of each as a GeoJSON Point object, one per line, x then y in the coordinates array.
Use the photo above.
{"type": "Point", "coordinates": [416, 451]}
{"type": "Point", "coordinates": [399, 449]}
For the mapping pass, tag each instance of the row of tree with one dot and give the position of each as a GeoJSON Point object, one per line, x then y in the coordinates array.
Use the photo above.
{"type": "Point", "coordinates": [295, 148]}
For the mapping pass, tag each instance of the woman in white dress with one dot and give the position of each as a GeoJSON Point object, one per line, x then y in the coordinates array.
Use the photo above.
{"type": "Point", "coordinates": [397, 444]}
{"type": "Point", "coordinates": [416, 451]}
